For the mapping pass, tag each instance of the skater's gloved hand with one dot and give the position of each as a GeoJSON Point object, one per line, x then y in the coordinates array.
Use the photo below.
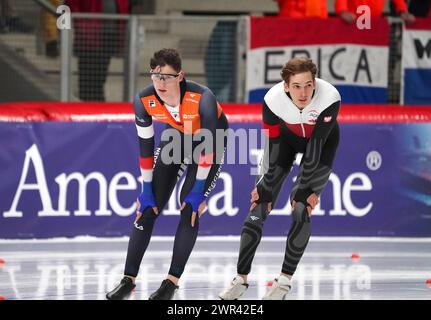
{"type": "Point", "coordinates": [311, 201]}
{"type": "Point", "coordinates": [264, 191]}
{"type": "Point", "coordinates": [255, 200]}
{"type": "Point", "coordinates": [196, 199]}
{"type": "Point", "coordinates": [146, 199]}
{"type": "Point", "coordinates": [301, 195]}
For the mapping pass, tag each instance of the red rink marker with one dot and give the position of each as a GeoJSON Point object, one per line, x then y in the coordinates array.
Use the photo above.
{"type": "Point", "coordinates": [428, 282]}
{"type": "Point", "coordinates": [2, 298]}
{"type": "Point", "coordinates": [269, 284]}
{"type": "Point", "coordinates": [355, 256]}
{"type": "Point", "coordinates": [2, 262]}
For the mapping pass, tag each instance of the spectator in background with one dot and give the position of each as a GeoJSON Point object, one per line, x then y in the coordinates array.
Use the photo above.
{"type": "Point", "coordinates": [96, 41]}
{"type": "Point", "coordinates": [303, 8]}
{"type": "Point", "coordinates": [420, 8]}
{"type": "Point", "coordinates": [50, 30]}
{"type": "Point", "coordinates": [346, 9]}
{"type": "Point", "coordinates": [9, 20]}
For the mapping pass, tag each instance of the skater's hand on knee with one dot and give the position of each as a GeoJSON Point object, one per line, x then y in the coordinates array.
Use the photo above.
{"type": "Point", "coordinates": [310, 206]}
{"type": "Point", "coordinates": [254, 205]}
{"type": "Point", "coordinates": [312, 201]}
{"type": "Point", "coordinates": [200, 211]}
{"type": "Point", "coordinates": [255, 198]}
{"type": "Point", "coordinates": [293, 204]}
{"type": "Point", "coordinates": [269, 207]}
{"type": "Point", "coordinates": [254, 195]}
{"type": "Point", "coordinates": [139, 212]}
{"type": "Point", "coordinates": [146, 199]}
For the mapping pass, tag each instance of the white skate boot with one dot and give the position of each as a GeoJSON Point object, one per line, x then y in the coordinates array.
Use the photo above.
{"type": "Point", "coordinates": [279, 289]}
{"type": "Point", "coordinates": [235, 290]}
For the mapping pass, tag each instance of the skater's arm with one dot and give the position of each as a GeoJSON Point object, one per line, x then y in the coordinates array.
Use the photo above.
{"type": "Point", "coordinates": [324, 125]}
{"type": "Point", "coordinates": [206, 136]}
{"type": "Point", "coordinates": [145, 131]}
{"type": "Point", "coordinates": [271, 125]}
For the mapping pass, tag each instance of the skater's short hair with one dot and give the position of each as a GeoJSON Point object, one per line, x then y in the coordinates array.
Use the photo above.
{"type": "Point", "coordinates": [165, 57]}
{"type": "Point", "coordinates": [298, 65]}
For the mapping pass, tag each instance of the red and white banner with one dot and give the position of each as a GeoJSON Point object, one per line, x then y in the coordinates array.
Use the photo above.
{"type": "Point", "coordinates": [416, 63]}
{"type": "Point", "coordinates": [354, 60]}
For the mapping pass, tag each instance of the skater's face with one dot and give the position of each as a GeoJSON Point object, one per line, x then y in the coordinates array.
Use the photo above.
{"type": "Point", "coordinates": [301, 87]}
{"type": "Point", "coordinates": [166, 80]}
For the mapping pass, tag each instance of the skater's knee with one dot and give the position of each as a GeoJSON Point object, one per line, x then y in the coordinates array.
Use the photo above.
{"type": "Point", "coordinates": [186, 213]}
{"type": "Point", "coordinates": [146, 217]}
{"type": "Point", "coordinates": [258, 215]}
{"type": "Point", "coordinates": [300, 214]}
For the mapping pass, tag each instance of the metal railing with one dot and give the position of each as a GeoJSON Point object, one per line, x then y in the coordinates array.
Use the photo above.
{"type": "Point", "coordinates": [106, 57]}
{"type": "Point", "coordinates": [208, 46]}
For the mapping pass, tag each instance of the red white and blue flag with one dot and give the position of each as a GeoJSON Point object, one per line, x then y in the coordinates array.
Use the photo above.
{"type": "Point", "coordinates": [354, 60]}
{"type": "Point", "coordinates": [416, 63]}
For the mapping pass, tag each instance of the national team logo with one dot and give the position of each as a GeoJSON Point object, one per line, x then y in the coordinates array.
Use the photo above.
{"type": "Point", "coordinates": [313, 114]}
{"type": "Point", "coordinates": [152, 103]}
{"type": "Point", "coordinates": [327, 119]}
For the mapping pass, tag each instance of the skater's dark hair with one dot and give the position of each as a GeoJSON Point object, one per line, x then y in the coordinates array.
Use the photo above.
{"type": "Point", "coordinates": [165, 57]}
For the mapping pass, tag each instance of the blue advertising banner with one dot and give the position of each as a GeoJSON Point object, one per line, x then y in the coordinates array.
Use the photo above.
{"type": "Point", "coordinates": [65, 179]}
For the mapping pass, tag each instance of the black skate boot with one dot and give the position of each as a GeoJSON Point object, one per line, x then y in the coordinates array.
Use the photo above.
{"type": "Point", "coordinates": [122, 291]}
{"type": "Point", "coordinates": [165, 292]}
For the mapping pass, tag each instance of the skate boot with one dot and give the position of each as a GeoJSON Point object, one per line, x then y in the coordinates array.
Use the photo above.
{"type": "Point", "coordinates": [122, 291]}
{"type": "Point", "coordinates": [165, 292]}
{"type": "Point", "coordinates": [235, 290]}
{"type": "Point", "coordinates": [279, 289]}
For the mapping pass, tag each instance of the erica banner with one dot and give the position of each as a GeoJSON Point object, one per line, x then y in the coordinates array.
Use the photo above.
{"type": "Point", "coordinates": [354, 60]}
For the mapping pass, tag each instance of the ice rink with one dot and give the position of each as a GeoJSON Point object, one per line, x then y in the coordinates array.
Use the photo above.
{"type": "Point", "coordinates": [86, 268]}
